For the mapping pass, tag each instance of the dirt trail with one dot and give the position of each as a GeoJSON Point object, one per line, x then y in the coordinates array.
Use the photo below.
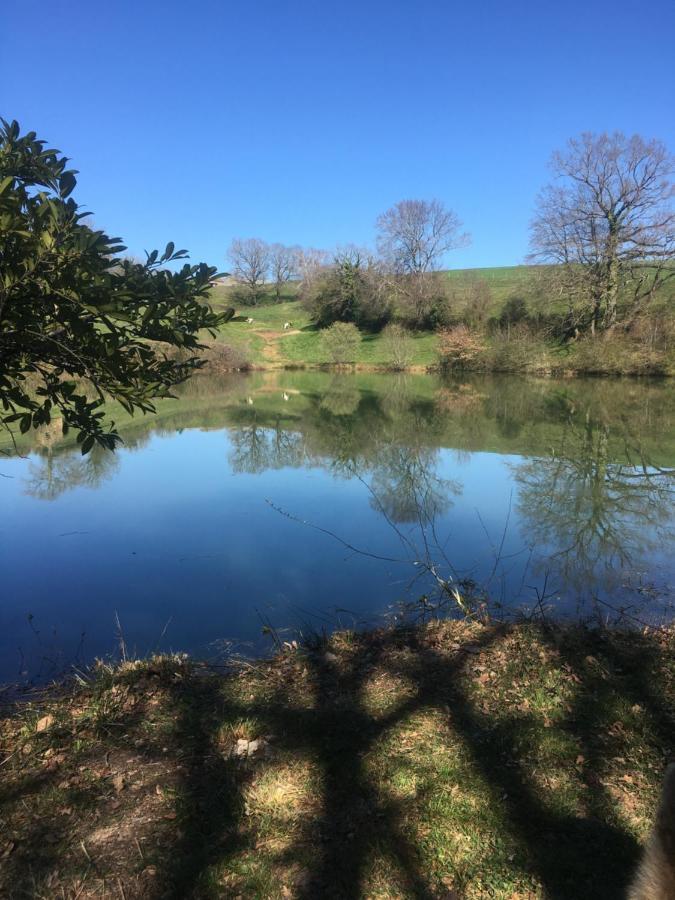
{"type": "Point", "coordinates": [271, 351]}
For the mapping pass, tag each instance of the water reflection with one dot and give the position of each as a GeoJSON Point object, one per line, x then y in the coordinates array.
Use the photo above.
{"type": "Point", "coordinates": [406, 486]}
{"type": "Point", "coordinates": [597, 501]}
{"type": "Point", "coordinates": [517, 480]}
{"type": "Point", "coordinates": [256, 448]}
{"type": "Point", "coordinates": [52, 475]}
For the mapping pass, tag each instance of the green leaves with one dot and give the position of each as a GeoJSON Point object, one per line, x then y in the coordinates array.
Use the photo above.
{"type": "Point", "coordinates": [87, 443]}
{"type": "Point", "coordinates": [80, 324]}
{"type": "Point", "coordinates": [67, 184]}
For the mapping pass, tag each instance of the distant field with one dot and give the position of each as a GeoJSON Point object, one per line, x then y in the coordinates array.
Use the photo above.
{"type": "Point", "coordinates": [504, 281]}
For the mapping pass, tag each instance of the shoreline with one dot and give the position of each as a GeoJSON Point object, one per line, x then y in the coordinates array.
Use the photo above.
{"type": "Point", "coordinates": [372, 368]}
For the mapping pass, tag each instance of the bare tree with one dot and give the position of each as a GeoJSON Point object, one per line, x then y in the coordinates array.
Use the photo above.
{"type": "Point", "coordinates": [413, 238]}
{"type": "Point", "coordinates": [311, 262]}
{"type": "Point", "coordinates": [414, 235]}
{"type": "Point", "coordinates": [283, 266]}
{"type": "Point", "coordinates": [250, 258]}
{"type": "Point", "coordinates": [608, 222]}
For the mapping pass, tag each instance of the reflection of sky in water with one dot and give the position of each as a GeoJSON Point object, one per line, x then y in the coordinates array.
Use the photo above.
{"type": "Point", "coordinates": [171, 533]}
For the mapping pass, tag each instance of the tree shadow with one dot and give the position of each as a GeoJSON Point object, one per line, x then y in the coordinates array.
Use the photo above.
{"type": "Point", "coordinates": [52, 797]}
{"type": "Point", "coordinates": [354, 821]}
{"type": "Point", "coordinates": [570, 852]}
{"type": "Point", "coordinates": [564, 853]}
{"type": "Point", "coordinates": [210, 805]}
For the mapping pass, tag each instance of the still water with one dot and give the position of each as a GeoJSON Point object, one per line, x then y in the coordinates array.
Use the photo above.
{"type": "Point", "coordinates": [304, 501]}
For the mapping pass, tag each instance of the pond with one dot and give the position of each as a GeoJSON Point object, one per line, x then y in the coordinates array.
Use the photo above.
{"type": "Point", "coordinates": [285, 502]}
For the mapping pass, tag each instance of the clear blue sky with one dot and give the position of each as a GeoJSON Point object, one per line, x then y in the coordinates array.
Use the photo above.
{"type": "Point", "coordinates": [301, 121]}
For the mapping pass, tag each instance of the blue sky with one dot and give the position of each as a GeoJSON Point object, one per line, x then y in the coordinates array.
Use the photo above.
{"type": "Point", "coordinates": [300, 122]}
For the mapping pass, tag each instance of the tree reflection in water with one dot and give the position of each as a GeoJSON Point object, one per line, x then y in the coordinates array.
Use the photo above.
{"type": "Point", "coordinates": [54, 475]}
{"type": "Point", "coordinates": [256, 448]}
{"type": "Point", "coordinates": [406, 486]}
{"type": "Point", "coordinates": [591, 461]}
{"type": "Point", "coordinates": [596, 512]}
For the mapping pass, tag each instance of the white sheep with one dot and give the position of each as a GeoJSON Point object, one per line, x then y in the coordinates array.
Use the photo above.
{"type": "Point", "coordinates": [285, 395]}
{"type": "Point", "coordinates": [287, 325]}
{"type": "Point", "coordinates": [249, 321]}
{"type": "Point", "coordinates": [249, 400]}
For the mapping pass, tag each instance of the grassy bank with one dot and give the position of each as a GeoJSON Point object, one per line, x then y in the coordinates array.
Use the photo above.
{"type": "Point", "coordinates": [453, 760]}
{"type": "Point", "coordinates": [266, 344]}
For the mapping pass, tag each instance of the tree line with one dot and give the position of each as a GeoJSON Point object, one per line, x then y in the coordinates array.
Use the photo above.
{"type": "Point", "coordinates": [353, 284]}
{"type": "Point", "coordinates": [603, 228]}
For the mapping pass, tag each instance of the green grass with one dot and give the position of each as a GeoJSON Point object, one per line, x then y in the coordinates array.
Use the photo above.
{"type": "Point", "coordinates": [488, 761]}
{"type": "Point", "coordinates": [503, 281]}
{"type": "Point", "coordinates": [305, 348]}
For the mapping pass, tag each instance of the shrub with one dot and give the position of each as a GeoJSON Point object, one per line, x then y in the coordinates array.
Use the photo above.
{"type": "Point", "coordinates": [424, 300]}
{"type": "Point", "coordinates": [398, 346]}
{"type": "Point", "coordinates": [616, 353]}
{"type": "Point", "coordinates": [477, 298]}
{"type": "Point", "coordinates": [518, 350]}
{"type": "Point", "coordinates": [221, 358]}
{"type": "Point", "coordinates": [351, 290]}
{"type": "Point", "coordinates": [513, 312]}
{"type": "Point", "coordinates": [340, 342]}
{"type": "Point", "coordinates": [459, 348]}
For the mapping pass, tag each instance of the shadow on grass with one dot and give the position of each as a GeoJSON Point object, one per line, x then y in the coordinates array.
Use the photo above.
{"type": "Point", "coordinates": [587, 852]}
{"type": "Point", "coordinates": [54, 791]}
{"type": "Point", "coordinates": [570, 856]}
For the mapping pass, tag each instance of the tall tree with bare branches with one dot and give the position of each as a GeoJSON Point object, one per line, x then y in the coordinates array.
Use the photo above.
{"type": "Point", "coordinates": [283, 266]}
{"type": "Point", "coordinates": [311, 262]}
{"type": "Point", "coordinates": [413, 238]}
{"type": "Point", "coordinates": [414, 235]}
{"type": "Point", "coordinates": [250, 258]}
{"type": "Point", "coordinates": [608, 221]}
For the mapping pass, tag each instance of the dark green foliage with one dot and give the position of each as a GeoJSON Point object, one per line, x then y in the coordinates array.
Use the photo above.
{"type": "Point", "coordinates": [513, 312]}
{"type": "Point", "coordinates": [352, 290]}
{"type": "Point", "coordinates": [77, 322]}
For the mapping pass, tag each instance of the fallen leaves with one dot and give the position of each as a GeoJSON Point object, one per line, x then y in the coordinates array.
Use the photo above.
{"type": "Point", "coordinates": [118, 782]}
{"type": "Point", "coordinates": [44, 723]}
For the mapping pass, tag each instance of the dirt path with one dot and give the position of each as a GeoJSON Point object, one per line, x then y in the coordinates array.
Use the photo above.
{"type": "Point", "coordinates": [271, 351]}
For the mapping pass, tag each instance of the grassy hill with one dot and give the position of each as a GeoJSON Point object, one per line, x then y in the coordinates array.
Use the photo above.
{"type": "Point", "coordinates": [503, 281]}
{"type": "Point", "coordinates": [264, 342]}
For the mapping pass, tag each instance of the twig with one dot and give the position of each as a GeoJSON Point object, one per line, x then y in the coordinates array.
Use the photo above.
{"type": "Point", "coordinates": [120, 637]}
{"type": "Point", "coordinates": [335, 537]}
{"type": "Point", "coordinates": [140, 852]}
{"type": "Point", "coordinates": [86, 853]}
